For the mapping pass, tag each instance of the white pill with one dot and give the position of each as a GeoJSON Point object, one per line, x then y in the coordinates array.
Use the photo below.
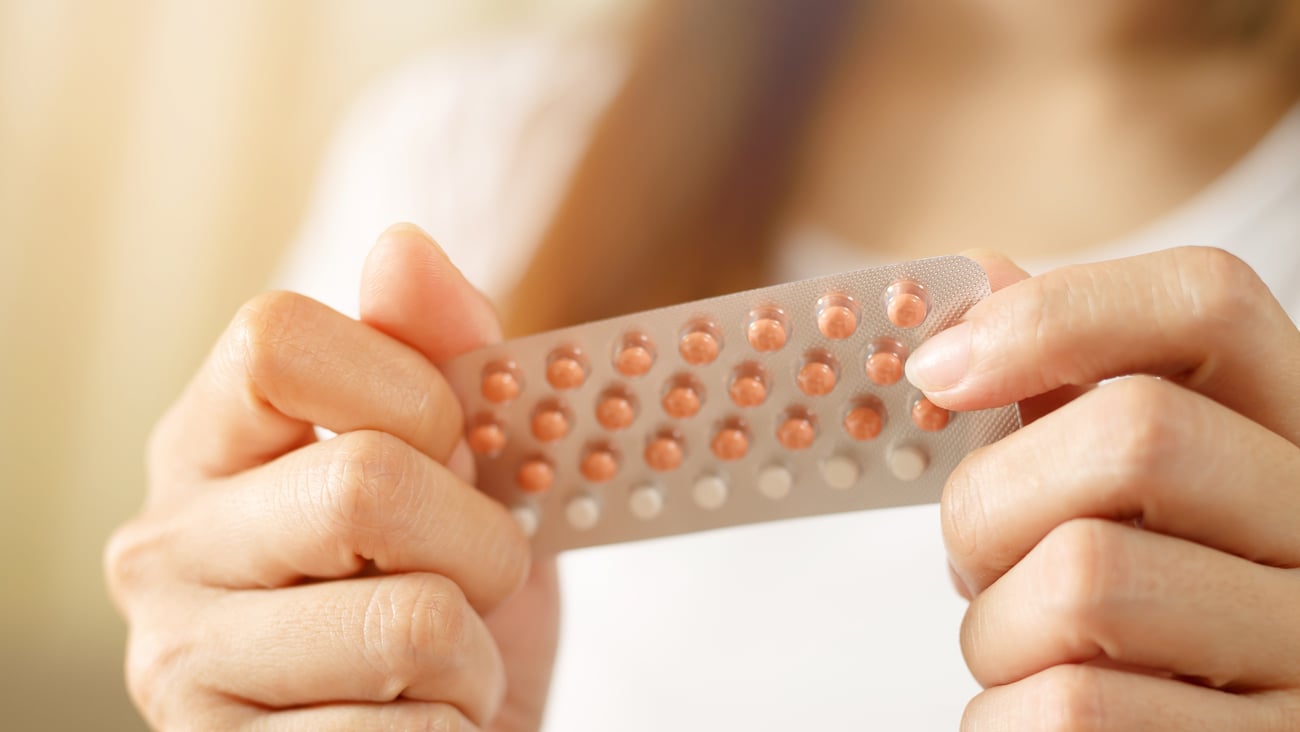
{"type": "Point", "coordinates": [839, 471]}
{"type": "Point", "coordinates": [582, 511]}
{"type": "Point", "coordinates": [775, 482]}
{"type": "Point", "coordinates": [526, 517]}
{"type": "Point", "coordinates": [646, 502]}
{"type": "Point", "coordinates": [907, 462]}
{"type": "Point", "coordinates": [710, 492]}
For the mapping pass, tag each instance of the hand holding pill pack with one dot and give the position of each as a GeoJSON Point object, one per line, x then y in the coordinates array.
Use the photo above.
{"type": "Point", "coordinates": [774, 403]}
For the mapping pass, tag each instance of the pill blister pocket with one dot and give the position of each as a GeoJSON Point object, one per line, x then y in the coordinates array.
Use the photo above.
{"type": "Point", "coordinates": [774, 403]}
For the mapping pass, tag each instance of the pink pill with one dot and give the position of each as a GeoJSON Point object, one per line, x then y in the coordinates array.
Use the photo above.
{"type": "Point", "coordinates": [699, 348]}
{"type": "Point", "coordinates": [663, 453]}
{"type": "Point", "coordinates": [863, 423]}
{"type": "Point", "coordinates": [615, 412]}
{"type": "Point", "coordinates": [599, 466]}
{"type": "Point", "coordinates": [730, 443]}
{"type": "Point", "coordinates": [565, 372]}
{"type": "Point", "coordinates": [928, 416]}
{"type": "Point", "coordinates": [535, 476]}
{"type": "Point", "coordinates": [906, 304]}
{"type": "Point", "coordinates": [500, 386]}
{"type": "Point", "coordinates": [550, 424]}
{"type": "Point", "coordinates": [796, 433]}
{"type": "Point", "coordinates": [884, 368]}
{"type": "Point", "coordinates": [816, 378]}
{"type": "Point", "coordinates": [766, 335]}
{"type": "Point", "coordinates": [681, 401]}
{"type": "Point", "coordinates": [486, 439]}
{"type": "Point", "coordinates": [837, 322]}
{"type": "Point", "coordinates": [633, 360]}
{"type": "Point", "coordinates": [748, 390]}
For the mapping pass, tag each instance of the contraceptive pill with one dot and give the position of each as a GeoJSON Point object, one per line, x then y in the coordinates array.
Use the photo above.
{"type": "Point", "coordinates": [906, 303]}
{"type": "Point", "coordinates": [635, 355]}
{"type": "Point", "coordinates": [767, 330]}
{"type": "Point", "coordinates": [778, 403]}
{"type": "Point", "coordinates": [645, 501]}
{"type": "Point", "coordinates": [863, 422]}
{"type": "Point", "coordinates": [486, 438]}
{"type": "Point", "coordinates": [748, 387]}
{"type": "Point", "coordinates": [535, 476]}
{"type": "Point", "coordinates": [928, 416]}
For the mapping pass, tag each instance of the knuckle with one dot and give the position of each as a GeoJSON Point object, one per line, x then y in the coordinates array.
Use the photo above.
{"type": "Point", "coordinates": [1034, 308]}
{"type": "Point", "coordinates": [1221, 287]}
{"type": "Point", "coordinates": [507, 561]}
{"type": "Point", "coordinates": [1074, 695]}
{"type": "Point", "coordinates": [961, 507]}
{"type": "Point", "coordinates": [445, 718]}
{"type": "Point", "coordinates": [263, 332]}
{"type": "Point", "coordinates": [128, 560]}
{"type": "Point", "coordinates": [155, 667]}
{"type": "Point", "coordinates": [365, 478]}
{"type": "Point", "coordinates": [416, 625]}
{"type": "Point", "coordinates": [1063, 698]}
{"type": "Point", "coordinates": [516, 553]}
{"type": "Point", "coordinates": [433, 717]}
{"type": "Point", "coordinates": [440, 416]}
{"type": "Point", "coordinates": [1084, 567]}
{"type": "Point", "coordinates": [1150, 419]}
{"type": "Point", "coordinates": [1045, 310]}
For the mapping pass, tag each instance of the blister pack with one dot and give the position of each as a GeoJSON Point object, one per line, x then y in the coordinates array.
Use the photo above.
{"type": "Point", "coordinates": [774, 403]}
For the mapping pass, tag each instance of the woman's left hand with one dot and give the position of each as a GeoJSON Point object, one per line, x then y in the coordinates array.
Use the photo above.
{"type": "Point", "coordinates": [1132, 553]}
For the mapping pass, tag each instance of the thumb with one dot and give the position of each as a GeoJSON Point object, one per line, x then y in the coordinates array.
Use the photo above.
{"type": "Point", "coordinates": [1002, 273]}
{"type": "Point", "coordinates": [412, 292]}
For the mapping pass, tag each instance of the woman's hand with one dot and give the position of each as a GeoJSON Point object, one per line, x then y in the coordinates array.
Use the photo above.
{"type": "Point", "coordinates": [1132, 553]}
{"type": "Point", "coordinates": [278, 582]}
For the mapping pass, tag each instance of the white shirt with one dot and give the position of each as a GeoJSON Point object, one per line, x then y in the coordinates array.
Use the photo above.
{"type": "Point", "coordinates": [840, 622]}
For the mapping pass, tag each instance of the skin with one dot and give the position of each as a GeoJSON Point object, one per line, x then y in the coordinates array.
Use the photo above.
{"type": "Point", "coordinates": [1130, 555]}
{"type": "Point", "coordinates": [1090, 555]}
{"type": "Point", "coordinates": [277, 582]}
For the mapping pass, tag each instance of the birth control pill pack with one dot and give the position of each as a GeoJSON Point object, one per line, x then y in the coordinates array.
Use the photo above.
{"type": "Point", "coordinates": [774, 403]}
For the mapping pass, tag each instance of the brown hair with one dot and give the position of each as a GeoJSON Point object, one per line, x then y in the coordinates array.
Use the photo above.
{"type": "Point", "coordinates": [676, 195]}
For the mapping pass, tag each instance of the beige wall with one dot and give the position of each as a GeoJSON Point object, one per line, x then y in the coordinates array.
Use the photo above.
{"type": "Point", "coordinates": [155, 156]}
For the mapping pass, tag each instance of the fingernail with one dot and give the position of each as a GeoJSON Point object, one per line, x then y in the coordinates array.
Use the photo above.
{"type": "Point", "coordinates": [405, 227]}
{"type": "Point", "coordinates": [959, 582]}
{"type": "Point", "coordinates": [941, 362]}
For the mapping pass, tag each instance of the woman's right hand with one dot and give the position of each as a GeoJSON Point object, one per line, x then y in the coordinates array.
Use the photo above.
{"type": "Point", "coordinates": [277, 582]}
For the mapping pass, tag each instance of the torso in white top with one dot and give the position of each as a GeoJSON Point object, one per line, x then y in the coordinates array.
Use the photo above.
{"type": "Point", "coordinates": [842, 622]}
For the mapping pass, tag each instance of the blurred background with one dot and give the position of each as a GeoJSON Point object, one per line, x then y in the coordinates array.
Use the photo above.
{"type": "Point", "coordinates": [155, 160]}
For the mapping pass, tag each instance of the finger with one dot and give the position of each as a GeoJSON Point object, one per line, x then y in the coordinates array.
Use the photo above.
{"type": "Point", "coordinates": [1169, 458]}
{"type": "Point", "coordinates": [288, 362]}
{"type": "Point", "coordinates": [1098, 589]}
{"type": "Point", "coordinates": [1200, 316]}
{"type": "Point", "coordinates": [526, 630]}
{"type": "Point", "coordinates": [376, 639]}
{"type": "Point", "coordinates": [998, 267]}
{"type": "Point", "coordinates": [1089, 699]}
{"type": "Point", "coordinates": [325, 510]}
{"type": "Point", "coordinates": [398, 716]}
{"type": "Point", "coordinates": [959, 584]}
{"type": "Point", "coordinates": [412, 291]}
{"type": "Point", "coordinates": [1002, 273]}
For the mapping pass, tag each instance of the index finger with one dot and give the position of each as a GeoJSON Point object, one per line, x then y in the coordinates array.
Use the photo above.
{"type": "Point", "coordinates": [1199, 316]}
{"type": "Point", "coordinates": [286, 363]}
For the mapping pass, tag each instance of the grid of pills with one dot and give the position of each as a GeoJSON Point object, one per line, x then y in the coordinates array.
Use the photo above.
{"type": "Point", "coordinates": [774, 403]}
